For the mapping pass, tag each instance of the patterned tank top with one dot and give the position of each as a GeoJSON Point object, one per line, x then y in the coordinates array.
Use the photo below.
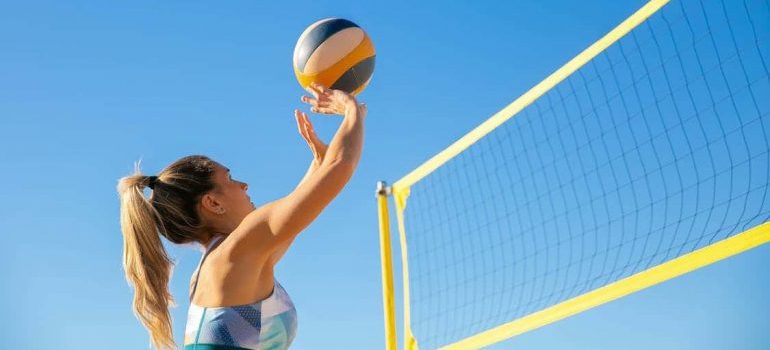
{"type": "Point", "coordinates": [270, 324]}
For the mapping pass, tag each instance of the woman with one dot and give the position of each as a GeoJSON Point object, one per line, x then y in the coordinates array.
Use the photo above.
{"type": "Point", "coordinates": [235, 300]}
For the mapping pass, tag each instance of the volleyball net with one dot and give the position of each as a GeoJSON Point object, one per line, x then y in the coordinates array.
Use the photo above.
{"type": "Point", "coordinates": [643, 158]}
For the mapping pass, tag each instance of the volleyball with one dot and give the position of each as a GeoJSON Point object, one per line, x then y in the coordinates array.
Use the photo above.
{"type": "Point", "coordinates": [335, 53]}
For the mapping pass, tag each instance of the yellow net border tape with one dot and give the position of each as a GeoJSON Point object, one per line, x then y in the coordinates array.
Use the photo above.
{"type": "Point", "coordinates": [686, 263]}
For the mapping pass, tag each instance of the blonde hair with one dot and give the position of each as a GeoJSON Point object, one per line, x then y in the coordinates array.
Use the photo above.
{"type": "Point", "coordinates": [170, 211]}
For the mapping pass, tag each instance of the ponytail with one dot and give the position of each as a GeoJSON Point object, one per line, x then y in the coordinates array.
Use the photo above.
{"type": "Point", "coordinates": [145, 261]}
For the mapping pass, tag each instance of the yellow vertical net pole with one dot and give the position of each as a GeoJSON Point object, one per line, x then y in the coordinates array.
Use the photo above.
{"type": "Point", "coordinates": [400, 196]}
{"type": "Point", "coordinates": [386, 259]}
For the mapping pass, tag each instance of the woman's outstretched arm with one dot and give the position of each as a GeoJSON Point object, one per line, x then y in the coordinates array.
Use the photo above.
{"type": "Point", "coordinates": [274, 225]}
{"type": "Point", "coordinates": [297, 210]}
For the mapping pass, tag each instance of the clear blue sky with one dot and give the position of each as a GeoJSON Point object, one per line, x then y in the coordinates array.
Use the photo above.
{"type": "Point", "coordinates": [88, 88]}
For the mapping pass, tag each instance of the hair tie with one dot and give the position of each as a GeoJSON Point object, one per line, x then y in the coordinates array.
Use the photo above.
{"type": "Point", "coordinates": [151, 181]}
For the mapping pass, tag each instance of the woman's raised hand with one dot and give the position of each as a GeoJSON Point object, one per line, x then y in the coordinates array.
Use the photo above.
{"type": "Point", "coordinates": [305, 128]}
{"type": "Point", "coordinates": [329, 101]}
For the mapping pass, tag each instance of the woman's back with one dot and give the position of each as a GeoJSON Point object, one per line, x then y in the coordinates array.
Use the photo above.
{"type": "Point", "coordinates": [267, 324]}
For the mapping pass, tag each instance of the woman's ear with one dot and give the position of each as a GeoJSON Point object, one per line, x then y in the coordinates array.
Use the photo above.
{"type": "Point", "coordinates": [211, 204]}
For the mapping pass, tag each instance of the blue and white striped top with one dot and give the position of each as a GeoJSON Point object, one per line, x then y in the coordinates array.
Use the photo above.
{"type": "Point", "coordinates": [270, 324]}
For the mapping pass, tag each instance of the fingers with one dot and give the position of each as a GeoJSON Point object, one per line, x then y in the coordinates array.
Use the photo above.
{"type": "Point", "coordinates": [322, 102]}
{"type": "Point", "coordinates": [305, 127]}
{"type": "Point", "coordinates": [320, 89]}
{"type": "Point", "coordinates": [306, 123]}
{"type": "Point", "coordinates": [309, 133]}
{"type": "Point", "coordinates": [323, 110]}
{"type": "Point", "coordinates": [300, 127]}
{"type": "Point", "coordinates": [306, 130]}
{"type": "Point", "coordinates": [309, 100]}
{"type": "Point", "coordinates": [316, 89]}
{"type": "Point", "coordinates": [312, 89]}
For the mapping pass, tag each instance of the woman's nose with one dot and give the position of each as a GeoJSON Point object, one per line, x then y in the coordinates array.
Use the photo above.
{"type": "Point", "coordinates": [245, 186]}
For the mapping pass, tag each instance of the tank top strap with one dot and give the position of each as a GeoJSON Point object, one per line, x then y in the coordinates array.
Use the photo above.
{"type": "Point", "coordinates": [200, 264]}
